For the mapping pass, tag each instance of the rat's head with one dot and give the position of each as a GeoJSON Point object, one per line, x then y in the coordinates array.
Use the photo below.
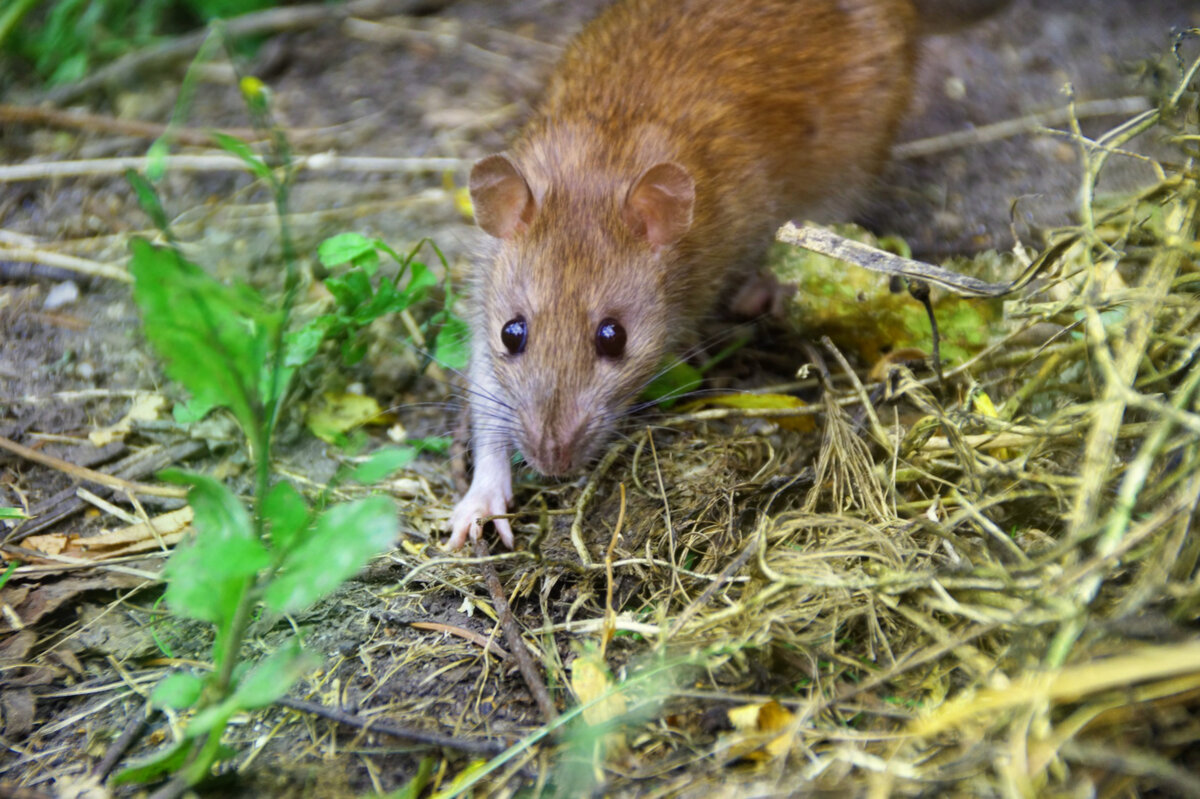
{"type": "Point", "coordinates": [575, 302]}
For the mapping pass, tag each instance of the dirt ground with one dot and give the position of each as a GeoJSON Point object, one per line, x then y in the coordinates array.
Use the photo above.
{"type": "Point", "coordinates": [454, 80]}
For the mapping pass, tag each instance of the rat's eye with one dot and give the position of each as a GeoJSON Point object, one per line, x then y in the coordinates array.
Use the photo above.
{"type": "Point", "coordinates": [513, 335]}
{"type": "Point", "coordinates": [610, 338]}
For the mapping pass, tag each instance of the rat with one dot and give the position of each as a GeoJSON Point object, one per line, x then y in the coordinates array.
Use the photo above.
{"type": "Point", "coordinates": [673, 138]}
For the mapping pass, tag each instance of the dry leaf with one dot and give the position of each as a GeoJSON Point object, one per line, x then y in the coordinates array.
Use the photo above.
{"type": "Point", "coordinates": [338, 414]}
{"type": "Point", "coordinates": [167, 529]}
{"type": "Point", "coordinates": [145, 408]}
{"type": "Point", "coordinates": [51, 544]}
{"type": "Point", "coordinates": [590, 680]}
{"type": "Point", "coordinates": [756, 720]}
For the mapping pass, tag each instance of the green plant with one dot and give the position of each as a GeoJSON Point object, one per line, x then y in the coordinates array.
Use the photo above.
{"type": "Point", "coordinates": [73, 36]}
{"type": "Point", "coordinates": [229, 348]}
{"type": "Point", "coordinates": [363, 295]}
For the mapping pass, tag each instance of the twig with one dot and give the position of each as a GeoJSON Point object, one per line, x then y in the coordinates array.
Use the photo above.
{"type": "Point", "coordinates": [116, 750]}
{"type": "Point", "coordinates": [1009, 128]}
{"type": "Point", "coordinates": [74, 120]}
{"type": "Point", "coordinates": [377, 726]}
{"type": "Point", "coordinates": [83, 266]}
{"type": "Point", "coordinates": [220, 162]}
{"type": "Point", "coordinates": [88, 475]}
{"type": "Point", "coordinates": [468, 635]}
{"type": "Point", "coordinates": [512, 634]}
{"type": "Point", "coordinates": [58, 507]}
{"type": "Point", "coordinates": [828, 243]}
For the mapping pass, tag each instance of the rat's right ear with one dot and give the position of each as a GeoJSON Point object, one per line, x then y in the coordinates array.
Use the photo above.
{"type": "Point", "coordinates": [501, 197]}
{"type": "Point", "coordinates": [659, 206]}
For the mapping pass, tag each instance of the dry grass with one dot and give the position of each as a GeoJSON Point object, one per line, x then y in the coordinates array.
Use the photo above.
{"type": "Point", "coordinates": [986, 587]}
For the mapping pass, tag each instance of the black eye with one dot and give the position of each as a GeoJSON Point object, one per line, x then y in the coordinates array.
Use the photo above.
{"type": "Point", "coordinates": [610, 338]}
{"type": "Point", "coordinates": [513, 335]}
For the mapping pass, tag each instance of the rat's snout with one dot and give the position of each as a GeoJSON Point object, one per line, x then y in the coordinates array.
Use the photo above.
{"type": "Point", "coordinates": [556, 449]}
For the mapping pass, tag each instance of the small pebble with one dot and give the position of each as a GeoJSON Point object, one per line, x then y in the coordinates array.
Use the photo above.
{"type": "Point", "coordinates": [61, 295]}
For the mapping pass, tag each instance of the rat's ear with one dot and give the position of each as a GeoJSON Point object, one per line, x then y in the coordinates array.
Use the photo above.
{"type": "Point", "coordinates": [502, 199]}
{"type": "Point", "coordinates": [659, 206]}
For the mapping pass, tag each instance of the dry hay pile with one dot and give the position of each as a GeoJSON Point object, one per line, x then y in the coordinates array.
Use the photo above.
{"type": "Point", "coordinates": [985, 586]}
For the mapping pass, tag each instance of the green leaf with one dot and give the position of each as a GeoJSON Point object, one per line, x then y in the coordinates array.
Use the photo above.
{"type": "Point", "coordinates": [415, 786]}
{"type": "Point", "coordinates": [345, 248]}
{"type": "Point", "coordinates": [215, 717]}
{"type": "Point", "coordinates": [239, 148]}
{"type": "Point", "coordinates": [8, 572]}
{"type": "Point", "coordinates": [273, 676]}
{"type": "Point", "coordinates": [205, 578]}
{"type": "Point", "coordinates": [382, 463]}
{"type": "Point", "coordinates": [214, 338]}
{"type": "Point", "coordinates": [70, 70]}
{"type": "Point", "coordinates": [436, 444]}
{"type": "Point", "coordinates": [353, 352]}
{"type": "Point", "coordinates": [12, 513]}
{"type": "Point", "coordinates": [672, 384]}
{"type": "Point", "coordinates": [156, 159]}
{"type": "Point", "coordinates": [272, 390]}
{"type": "Point", "coordinates": [190, 411]}
{"type": "Point", "coordinates": [301, 345]}
{"type": "Point", "coordinates": [149, 201]}
{"type": "Point", "coordinates": [340, 543]}
{"type": "Point", "coordinates": [286, 514]}
{"type": "Point", "coordinates": [419, 282]}
{"type": "Point", "coordinates": [178, 691]}
{"type": "Point", "coordinates": [452, 347]}
{"type": "Point", "coordinates": [163, 762]}
{"type": "Point", "coordinates": [384, 300]}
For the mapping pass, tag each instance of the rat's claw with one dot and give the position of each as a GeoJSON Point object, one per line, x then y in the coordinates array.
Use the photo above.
{"type": "Point", "coordinates": [480, 503]}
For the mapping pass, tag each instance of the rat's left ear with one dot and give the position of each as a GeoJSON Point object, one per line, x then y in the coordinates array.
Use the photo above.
{"type": "Point", "coordinates": [659, 206]}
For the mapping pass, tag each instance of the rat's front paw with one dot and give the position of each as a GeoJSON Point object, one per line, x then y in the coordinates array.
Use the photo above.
{"type": "Point", "coordinates": [480, 501]}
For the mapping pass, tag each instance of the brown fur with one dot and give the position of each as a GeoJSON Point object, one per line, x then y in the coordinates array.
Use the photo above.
{"type": "Point", "coordinates": [776, 109]}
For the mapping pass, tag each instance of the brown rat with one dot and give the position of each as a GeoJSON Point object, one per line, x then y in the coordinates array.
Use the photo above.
{"type": "Point", "coordinates": [673, 139]}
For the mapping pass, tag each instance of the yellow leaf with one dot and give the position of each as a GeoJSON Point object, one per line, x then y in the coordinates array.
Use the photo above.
{"type": "Point", "coordinates": [590, 680]}
{"type": "Point", "coordinates": [338, 414]}
{"type": "Point", "coordinates": [745, 718]}
{"type": "Point", "coordinates": [757, 720]}
{"type": "Point", "coordinates": [983, 404]}
{"type": "Point", "coordinates": [461, 196]}
{"type": "Point", "coordinates": [800, 424]}
{"type": "Point", "coordinates": [984, 407]}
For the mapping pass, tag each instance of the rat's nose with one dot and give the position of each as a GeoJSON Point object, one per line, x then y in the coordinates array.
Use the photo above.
{"type": "Point", "coordinates": [555, 453]}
